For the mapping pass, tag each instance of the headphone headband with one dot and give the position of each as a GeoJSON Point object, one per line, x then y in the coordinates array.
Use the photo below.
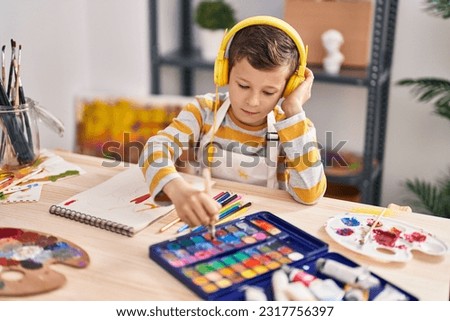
{"type": "Point", "coordinates": [221, 63]}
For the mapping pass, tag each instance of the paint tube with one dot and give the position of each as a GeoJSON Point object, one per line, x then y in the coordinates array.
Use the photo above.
{"type": "Point", "coordinates": [327, 290]}
{"type": "Point", "coordinates": [358, 276]}
{"type": "Point", "coordinates": [280, 282]}
{"type": "Point", "coordinates": [297, 291]}
{"type": "Point", "coordinates": [323, 290]}
{"type": "Point", "coordinates": [254, 293]}
{"type": "Point", "coordinates": [390, 293]}
{"type": "Point", "coordinates": [297, 275]}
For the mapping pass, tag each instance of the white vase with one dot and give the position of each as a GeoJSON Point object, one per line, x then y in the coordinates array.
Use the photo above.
{"type": "Point", "coordinates": [210, 42]}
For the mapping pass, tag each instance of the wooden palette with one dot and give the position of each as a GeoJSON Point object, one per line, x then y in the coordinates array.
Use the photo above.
{"type": "Point", "coordinates": [25, 259]}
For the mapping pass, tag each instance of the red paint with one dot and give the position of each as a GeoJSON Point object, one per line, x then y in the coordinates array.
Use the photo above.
{"type": "Point", "coordinates": [140, 199]}
{"type": "Point", "coordinates": [28, 237]}
{"type": "Point", "coordinates": [10, 232]}
{"type": "Point", "coordinates": [69, 202]}
{"type": "Point", "coordinates": [44, 241]}
{"type": "Point", "coordinates": [251, 262]}
{"type": "Point", "coordinates": [8, 262]}
{"type": "Point", "coordinates": [386, 238]}
{"type": "Point", "coordinates": [415, 237]}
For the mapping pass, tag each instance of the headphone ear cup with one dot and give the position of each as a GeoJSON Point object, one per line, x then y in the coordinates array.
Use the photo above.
{"type": "Point", "coordinates": [221, 72]}
{"type": "Point", "coordinates": [292, 84]}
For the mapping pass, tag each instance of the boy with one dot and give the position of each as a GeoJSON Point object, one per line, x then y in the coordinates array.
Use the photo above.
{"type": "Point", "coordinates": [261, 60]}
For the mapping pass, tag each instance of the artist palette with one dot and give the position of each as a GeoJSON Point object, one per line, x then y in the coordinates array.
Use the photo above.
{"type": "Point", "coordinates": [390, 240]}
{"type": "Point", "coordinates": [25, 259]}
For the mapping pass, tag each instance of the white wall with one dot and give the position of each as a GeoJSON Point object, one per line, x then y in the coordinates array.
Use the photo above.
{"type": "Point", "coordinates": [54, 63]}
{"type": "Point", "coordinates": [76, 46]}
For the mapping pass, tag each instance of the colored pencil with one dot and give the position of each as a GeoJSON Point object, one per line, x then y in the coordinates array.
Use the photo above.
{"type": "Point", "coordinates": [244, 208]}
{"type": "Point", "coordinates": [223, 197]}
{"type": "Point", "coordinates": [233, 212]}
{"type": "Point", "coordinates": [177, 220]}
{"type": "Point", "coordinates": [223, 210]}
{"type": "Point", "coordinates": [235, 215]}
{"type": "Point", "coordinates": [219, 195]}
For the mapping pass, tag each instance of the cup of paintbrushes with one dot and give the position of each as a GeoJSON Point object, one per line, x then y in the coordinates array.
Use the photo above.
{"type": "Point", "coordinates": [19, 135]}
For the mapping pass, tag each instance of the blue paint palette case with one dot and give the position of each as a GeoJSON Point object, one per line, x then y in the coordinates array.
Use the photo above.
{"type": "Point", "coordinates": [246, 252]}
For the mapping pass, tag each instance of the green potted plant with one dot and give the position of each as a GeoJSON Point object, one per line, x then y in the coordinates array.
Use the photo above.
{"type": "Point", "coordinates": [212, 18]}
{"type": "Point", "coordinates": [433, 198]}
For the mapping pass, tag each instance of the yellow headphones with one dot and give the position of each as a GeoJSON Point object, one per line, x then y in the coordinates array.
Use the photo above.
{"type": "Point", "coordinates": [221, 63]}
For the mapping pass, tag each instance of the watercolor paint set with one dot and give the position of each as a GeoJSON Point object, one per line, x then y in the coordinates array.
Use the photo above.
{"type": "Point", "coordinates": [246, 253]}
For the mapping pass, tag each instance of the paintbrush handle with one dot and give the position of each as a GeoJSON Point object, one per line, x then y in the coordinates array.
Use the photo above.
{"type": "Point", "coordinates": [169, 225]}
{"type": "Point", "coordinates": [23, 179]}
{"type": "Point", "coordinates": [14, 190]}
{"type": "Point", "coordinates": [374, 224]}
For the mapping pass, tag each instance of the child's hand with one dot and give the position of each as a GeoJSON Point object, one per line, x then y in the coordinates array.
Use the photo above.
{"type": "Point", "coordinates": [194, 207]}
{"type": "Point", "coordinates": [293, 104]}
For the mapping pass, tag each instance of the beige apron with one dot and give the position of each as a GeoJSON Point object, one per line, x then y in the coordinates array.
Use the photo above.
{"type": "Point", "coordinates": [233, 166]}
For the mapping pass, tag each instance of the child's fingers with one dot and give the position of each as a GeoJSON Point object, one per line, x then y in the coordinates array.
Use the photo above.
{"type": "Point", "coordinates": [188, 216]}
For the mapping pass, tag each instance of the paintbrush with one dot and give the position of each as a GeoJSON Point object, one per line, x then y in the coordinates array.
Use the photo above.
{"type": "Point", "coordinates": [11, 67]}
{"type": "Point", "coordinates": [3, 66]}
{"type": "Point", "coordinates": [207, 177]}
{"type": "Point", "coordinates": [11, 121]}
{"type": "Point", "coordinates": [22, 100]}
{"type": "Point", "coordinates": [23, 179]}
{"type": "Point", "coordinates": [14, 190]}
{"type": "Point", "coordinates": [366, 236]}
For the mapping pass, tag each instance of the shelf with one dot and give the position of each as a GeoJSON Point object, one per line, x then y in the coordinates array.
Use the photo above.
{"type": "Point", "coordinates": [356, 179]}
{"type": "Point", "coordinates": [187, 60]}
{"type": "Point", "coordinates": [349, 76]}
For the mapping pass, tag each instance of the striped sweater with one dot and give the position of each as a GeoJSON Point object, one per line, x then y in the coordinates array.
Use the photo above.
{"type": "Point", "coordinates": [299, 169]}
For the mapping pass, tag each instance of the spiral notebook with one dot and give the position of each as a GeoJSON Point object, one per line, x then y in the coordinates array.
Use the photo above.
{"type": "Point", "coordinates": [121, 204]}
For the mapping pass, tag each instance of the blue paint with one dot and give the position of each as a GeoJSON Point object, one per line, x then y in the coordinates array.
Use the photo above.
{"type": "Point", "coordinates": [350, 221]}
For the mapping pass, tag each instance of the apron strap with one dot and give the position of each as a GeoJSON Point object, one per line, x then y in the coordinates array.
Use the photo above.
{"type": "Point", "coordinates": [272, 151]}
{"type": "Point", "coordinates": [220, 116]}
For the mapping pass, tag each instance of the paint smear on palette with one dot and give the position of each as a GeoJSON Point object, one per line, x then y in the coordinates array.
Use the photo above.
{"type": "Point", "coordinates": [370, 222]}
{"type": "Point", "coordinates": [350, 221]}
{"type": "Point", "coordinates": [415, 237]}
{"type": "Point", "coordinates": [386, 238]}
{"type": "Point", "coordinates": [344, 231]}
{"type": "Point", "coordinates": [31, 253]}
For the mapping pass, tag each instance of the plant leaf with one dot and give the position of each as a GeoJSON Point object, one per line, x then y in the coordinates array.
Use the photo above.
{"type": "Point", "coordinates": [427, 89]}
{"type": "Point", "coordinates": [439, 8]}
